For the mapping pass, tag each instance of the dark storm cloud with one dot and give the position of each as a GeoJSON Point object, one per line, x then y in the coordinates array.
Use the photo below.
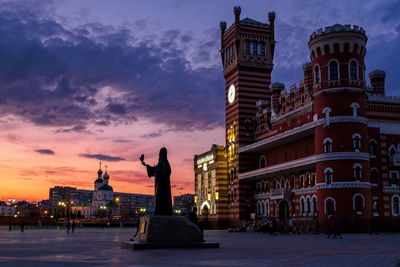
{"type": "Point", "coordinates": [45, 151]}
{"type": "Point", "coordinates": [51, 75]}
{"type": "Point", "coordinates": [102, 157]}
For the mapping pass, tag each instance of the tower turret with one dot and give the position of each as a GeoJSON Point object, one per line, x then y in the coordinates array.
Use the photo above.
{"type": "Point", "coordinates": [99, 181]}
{"type": "Point", "coordinates": [377, 78]}
{"type": "Point", "coordinates": [246, 54]}
{"type": "Point", "coordinates": [337, 53]}
{"type": "Point", "coordinates": [277, 89]}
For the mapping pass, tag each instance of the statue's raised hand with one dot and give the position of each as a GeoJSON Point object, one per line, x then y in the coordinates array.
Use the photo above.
{"type": "Point", "coordinates": [141, 158]}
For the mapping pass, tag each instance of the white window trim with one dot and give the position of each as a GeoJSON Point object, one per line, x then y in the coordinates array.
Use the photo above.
{"type": "Point", "coordinates": [314, 208]}
{"type": "Point", "coordinates": [325, 171]}
{"type": "Point", "coordinates": [392, 206]}
{"type": "Point", "coordinates": [327, 111]}
{"type": "Point", "coordinates": [357, 66]}
{"type": "Point", "coordinates": [334, 204]}
{"type": "Point", "coordinates": [354, 170]}
{"type": "Point", "coordinates": [259, 161]}
{"type": "Point", "coordinates": [355, 106]}
{"type": "Point", "coordinates": [354, 201]}
{"type": "Point", "coordinates": [354, 144]}
{"type": "Point", "coordinates": [302, 207]}
{"type": "Point", "coordinates": [329, 69]}
{"type": "Point", "coordinates": [328, 140]}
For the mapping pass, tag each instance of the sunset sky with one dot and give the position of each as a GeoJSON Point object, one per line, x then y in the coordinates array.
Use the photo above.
{"type": "Point", "coordinates": [89, 81]}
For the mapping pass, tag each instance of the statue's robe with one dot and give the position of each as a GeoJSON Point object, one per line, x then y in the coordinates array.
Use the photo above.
{"type": "Point", "coordinates": [162, 187]}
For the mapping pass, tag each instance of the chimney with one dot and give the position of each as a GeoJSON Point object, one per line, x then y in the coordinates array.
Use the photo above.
{"type": "Point", "coordinates": [236, 11]}
{"type": "Point", "coordinates": [377, 78]}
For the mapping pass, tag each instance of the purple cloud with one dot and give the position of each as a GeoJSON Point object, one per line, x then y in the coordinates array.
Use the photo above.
{"type": "Point", "coordinates": [45, 151]}
{"type": "Point", "coordinates": [102, 157]}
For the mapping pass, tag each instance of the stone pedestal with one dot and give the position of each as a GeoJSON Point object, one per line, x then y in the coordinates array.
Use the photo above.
{"type": "Point", "coordinates": [168, 232]}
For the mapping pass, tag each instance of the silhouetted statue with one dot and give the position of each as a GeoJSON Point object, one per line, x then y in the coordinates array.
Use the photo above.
{"type": "Point", "coordinates": [162, 184]}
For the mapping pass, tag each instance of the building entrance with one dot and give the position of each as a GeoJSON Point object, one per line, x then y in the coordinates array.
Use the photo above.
{"type": "Point", "coordinates": [283, 210]}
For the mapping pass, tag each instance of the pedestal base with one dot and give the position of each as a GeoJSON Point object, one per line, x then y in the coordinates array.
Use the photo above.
{"type": "Point", "coordinates": [137, 245]}
{"type": "Point", "coordinates": [168, 232]}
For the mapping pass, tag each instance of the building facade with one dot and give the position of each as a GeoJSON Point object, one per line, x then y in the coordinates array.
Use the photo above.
{"type": "Point", "coordinates": [101, 201]}
{"type": "Point", "coordinates": [183, 204]}
{"type": "Point", "coordinates": [328, 146]}
{"type": "Point", "coordinates": [211, 187]}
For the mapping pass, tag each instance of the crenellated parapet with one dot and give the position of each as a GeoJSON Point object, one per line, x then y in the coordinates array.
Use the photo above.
{"type": "Point", "coordinates": [337, 28]}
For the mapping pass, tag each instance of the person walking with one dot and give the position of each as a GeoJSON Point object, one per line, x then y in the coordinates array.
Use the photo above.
{"type": "Point", "coordinates": [22, 226]}
{"type": "Point", "coordinates": [73, 226]}
{"type": "Point", "coordinates": [68, 226]}
{"type": "Point", "coordinates": [330, 227]}
{"type": "Point", "coordinates": [338, 228]}
{"type": "Point", "coordinates": [193, 218]}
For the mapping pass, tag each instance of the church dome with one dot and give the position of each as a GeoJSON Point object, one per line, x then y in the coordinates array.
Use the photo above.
{"type": "Point", "coordinates": [106, 187]}
{"type": "Point", "coordinates": [106, 176]}
{"type": "Point", "coordinates": [98, 180]}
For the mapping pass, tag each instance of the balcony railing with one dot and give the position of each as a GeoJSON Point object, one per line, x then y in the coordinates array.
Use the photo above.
{"type": "Point", "coordinates": [395, 160]}
{"type": "Point", "coordinates": [281, 193]}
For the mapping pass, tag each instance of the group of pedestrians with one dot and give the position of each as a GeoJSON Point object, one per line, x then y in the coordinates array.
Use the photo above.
{"type": "Point", "coordinates": [71, 226]}
{"type": "Point", "coordinates": [268, 225]}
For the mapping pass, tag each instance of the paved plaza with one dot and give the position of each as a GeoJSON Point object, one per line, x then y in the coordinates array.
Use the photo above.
{"type": "Point", "coordinates": [97, 247]}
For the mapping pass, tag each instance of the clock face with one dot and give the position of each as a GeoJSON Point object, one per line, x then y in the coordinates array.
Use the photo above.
{"type": "Point", "coordinates": [231, 93]}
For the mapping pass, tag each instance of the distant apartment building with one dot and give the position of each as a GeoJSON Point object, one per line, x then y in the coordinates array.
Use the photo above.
{"type": "Point", "coordinates": [6, 210]}
{"type": "Point", "coordinates": [183, 203]}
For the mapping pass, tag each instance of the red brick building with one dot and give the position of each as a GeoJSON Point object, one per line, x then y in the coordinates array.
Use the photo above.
{"type": "Point", "coordinates": [328, 146]}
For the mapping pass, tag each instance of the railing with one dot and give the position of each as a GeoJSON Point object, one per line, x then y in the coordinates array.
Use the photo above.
{"type": "Point", "coordinates": [279, 193]}
{"type": "Point", "coordinates": [395, 160]}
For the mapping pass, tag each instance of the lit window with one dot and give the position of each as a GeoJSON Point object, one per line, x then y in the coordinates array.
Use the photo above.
{"type": "Point", "coordinates": [375, 207]}
{"type": "Point", "coordinates": [333, 70]}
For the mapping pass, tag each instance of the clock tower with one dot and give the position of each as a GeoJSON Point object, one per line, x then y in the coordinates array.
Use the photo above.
{"type": "Point", "coordinates": [247, 51]}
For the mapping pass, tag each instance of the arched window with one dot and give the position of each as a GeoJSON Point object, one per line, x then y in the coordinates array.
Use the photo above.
{"type": "Point", "coordinates": [302, 206]}
{"type": "Point", "coordinates": [301, 178]}
{"type": "Point", "coordinates": [261, 49]}
{"type": "Point", "coordinates": [374, 175]}
{"type": "Point", "coordinates": [327, 145]}
{"type": "Point", "coordinates": [327, 112]}
{"type": "Point", "coordinates": [254, 48]}
{"type": "Point", "coordinates": [263, 208]}
{"type": "Point", "coordinates": [266, 208]}
{"type": "Point", "coordinates": [372, 147]}
{"type": "Point", "coordinates": [375, 207]}
{"type": "Point", "coordinates": [317, 75]}
{"type": "Point", "coordinates": [308, 211]}
{"type": "Point", "coordinates": [356, 142]}
{"type": "Point", "coordinates": [355, 107]}
{"type": "Point", "coordinates": [258, 187]}
{"type": "Point", "coordinates": [358, 203]}
{"type": "Point", "coordinates": [330, 206]}
{"type": "Point", "coordinates": [314, 205]}
{"type": "Point", "coordinates": [357, 168]}
{"type": "Point", "coordinates": [263, 162]}
{"type": "Point", "coordinates": [333, 70]}
{"type": "Point", "coordinates": [247, 47]}
{"type": "Point", "coordinates": [395, 205]}
{"type": "Point", "coordinates": [353, 70]}
{"type": "Point", "coordinates": [328, 175]}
